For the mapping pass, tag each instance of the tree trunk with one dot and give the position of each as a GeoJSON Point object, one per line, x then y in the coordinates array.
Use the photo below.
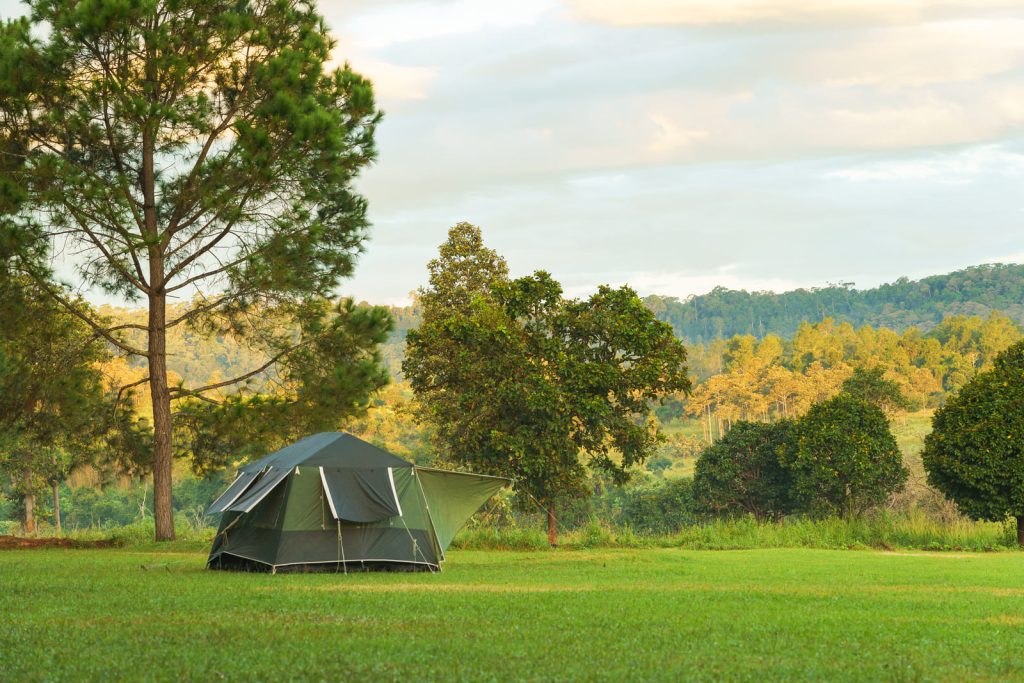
{"type": "Point", "coordinates": [163, 514]}
{"type": "Point", "coordinates": [30, 513]}
{"type": "Point", "coordinates": [29, 502]}
{"type": "Point", "coordinates": [1020, 531]}
{"type": "Point", "coordinates": [56, 508]}
{"type": "Point", "coordinates": [552, 531]}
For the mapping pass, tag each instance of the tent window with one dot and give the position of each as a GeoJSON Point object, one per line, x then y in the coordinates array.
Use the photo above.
{"type": "Point", "coordinates": [260, 491]}
{"type": "Point", "coordinates": [239, 486]}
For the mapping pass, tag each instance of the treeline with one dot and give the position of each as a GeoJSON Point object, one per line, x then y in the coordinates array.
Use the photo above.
{"type": "Point", "coordinates": [702, 321]}
{"type": "Point", "coordinates": [739, 378]}
{"type": "Point", "coordinates": [110, 507]}
{"type": "Point", "coordinates": [745, 378]}
{"type": "Point", "coordinates": [723, 313]}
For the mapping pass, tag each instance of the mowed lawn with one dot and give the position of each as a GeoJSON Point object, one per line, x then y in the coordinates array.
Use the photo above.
{"type": "Point", "coordinates": [550, 615]}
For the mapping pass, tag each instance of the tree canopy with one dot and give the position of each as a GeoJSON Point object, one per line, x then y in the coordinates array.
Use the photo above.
{"type": "Point", "coordinates": [743, 472]}
{"type": "Point", "coordinates": [57, 410]}
{"type": "Point", "coordinates": [975, 452]}
{"type": "Point", "coordinates": [519, 381]}
{"type": "Point", "coordinates": [186, 148]}
{"type": "Point", "coordinates": [905, 303]}
{"type": "Point", "coordinates": [843, 457]}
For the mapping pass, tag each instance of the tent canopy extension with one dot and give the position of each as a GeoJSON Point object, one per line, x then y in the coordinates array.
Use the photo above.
{"type": "Point", "coordinates": [333, 501]}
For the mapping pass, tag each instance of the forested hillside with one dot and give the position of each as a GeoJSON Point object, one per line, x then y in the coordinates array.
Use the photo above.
{"type": "Point", "coordinates": [722, 313]}
{"type": "Point", "coordinates": [699, 320]}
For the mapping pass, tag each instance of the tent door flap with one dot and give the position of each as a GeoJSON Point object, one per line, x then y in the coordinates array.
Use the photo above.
{"type": "Point", "coordinates": [361, 496]}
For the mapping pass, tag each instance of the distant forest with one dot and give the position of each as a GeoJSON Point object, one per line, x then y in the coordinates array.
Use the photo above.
{"type": "Point", "coordinates": [700, 320]}
{"type": "Point", "coordinates": [723, 313]}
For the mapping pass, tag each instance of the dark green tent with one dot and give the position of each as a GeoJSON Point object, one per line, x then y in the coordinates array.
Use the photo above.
{"type": "Point", "coordinates": [334, 502]}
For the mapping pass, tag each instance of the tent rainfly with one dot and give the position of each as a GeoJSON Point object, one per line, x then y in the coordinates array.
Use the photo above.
{"type": "Point", "coordinates": [332, 502]}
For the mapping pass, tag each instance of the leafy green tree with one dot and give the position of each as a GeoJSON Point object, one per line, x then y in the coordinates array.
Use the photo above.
{"type": "Point", "coordinates": [55, 413]}
{"type": "Point", "coordinates": [329, 377]}
{"type": "Point", "coordinates": [463, 270]}
{"type": "Point", "coordinates": [519, 381]}
{"type": "Point", "coordinates": [843, 457]}
{"type": "Point", "coordinates": [743, 472]}
{"type": "Point", "coordinates": [870, 385]}
{"type": "Point", "coordinates": [185, 147]}
{"type": "Point", "coordinates": [975, 452]}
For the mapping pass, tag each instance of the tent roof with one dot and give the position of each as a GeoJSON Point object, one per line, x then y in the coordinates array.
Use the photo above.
{"type": "Point", "coordinates": [331, 449]}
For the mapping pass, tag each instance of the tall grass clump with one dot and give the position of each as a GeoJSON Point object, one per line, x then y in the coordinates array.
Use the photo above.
{"type": "Point", "coordinates": [882, 531]}
{"type": "Point", "coordinates": [140, 536]}
{"type": "Point", "coordinates": [500, 538]}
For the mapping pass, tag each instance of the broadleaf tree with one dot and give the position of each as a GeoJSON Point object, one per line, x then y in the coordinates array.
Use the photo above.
{"type": "Point", "coordinates": [843, 458]}
{"type": "Point", "coordinates": [975, 451]}
{"type": "Point", "coordinates": [743, 473]}
{"type": "Point", "coordinates": [185, 149]}
{"type": "Point", "coordinates": [56, 410]}
{"type": "Point", "coordinates": [519, 381]}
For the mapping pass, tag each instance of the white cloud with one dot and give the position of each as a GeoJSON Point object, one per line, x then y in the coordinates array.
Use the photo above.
{"type": "Point", "coordinates": [682, 284]}
{"type": "Point", "coordinates": [963, 167]}
{"type": "Point", "coordinates": [703, 12]}
{"type": "Point", "coordinates": [392, 82]}
{"type": "Point", "coordinates": [916, 56]}
{"type": "Point", "coordinates": [418, 21]}
{"type": "Point", "coordinates": [670, 137]}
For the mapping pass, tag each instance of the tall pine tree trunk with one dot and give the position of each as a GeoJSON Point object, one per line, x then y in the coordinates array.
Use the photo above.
{"type": "Point", "coordinates": [29, 501]}
{"type": "Point", "coordinates": [56, 508]}
{"type": "Point", "coordinates": [162, 461]}
{"type": "Point", "coordinates": [163, 515]}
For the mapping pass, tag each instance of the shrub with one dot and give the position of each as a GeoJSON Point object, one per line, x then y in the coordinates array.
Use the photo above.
{"type": "Point", "coordinates": [843, 457]}
{"type": "Point", "coordinates": [659, 509]}
{"type": "Point", "coordinates": [742, 472]}
{"type": "Point", "coordinates": [975, 452]}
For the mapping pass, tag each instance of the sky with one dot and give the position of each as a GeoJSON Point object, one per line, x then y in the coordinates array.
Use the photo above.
{"type": "Point", "coordinates": [678, 145]}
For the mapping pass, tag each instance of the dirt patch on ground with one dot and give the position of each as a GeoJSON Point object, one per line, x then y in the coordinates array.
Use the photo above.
{"type": "Point", "coordinates": [22, 543]}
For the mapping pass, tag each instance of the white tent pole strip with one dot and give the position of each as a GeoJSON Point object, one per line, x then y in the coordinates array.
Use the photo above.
{"type": "Point", "coordinates": [391, 479]}
{"type": "Point", "coordinates": [216, 504]}
{"type": "Point", "coordinates": [327, 492]}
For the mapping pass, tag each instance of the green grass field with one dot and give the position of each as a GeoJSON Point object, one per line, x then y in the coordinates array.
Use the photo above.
{"type": "Point", "coordinates": [661, 614]}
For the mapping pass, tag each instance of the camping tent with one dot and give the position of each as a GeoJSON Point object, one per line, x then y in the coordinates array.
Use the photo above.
{"type": "Point", "coordinates": [334, 502]}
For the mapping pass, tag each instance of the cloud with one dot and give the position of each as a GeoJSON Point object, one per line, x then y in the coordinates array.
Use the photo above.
{"type": "Point", "coordinates": [968, 166]}
{"type": "Point", "coordinates": [670, 136]}
{"type": "Point", "coordinates": [788, 12]}
{"type": "Point", "coordinates": [915, 56]}
{"type": "Point", "coordinates": [398, 23]}
{"type": "Point", "coordinates": [392, 82]}
{"type": "Point", "coordinates": [682, 284]}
